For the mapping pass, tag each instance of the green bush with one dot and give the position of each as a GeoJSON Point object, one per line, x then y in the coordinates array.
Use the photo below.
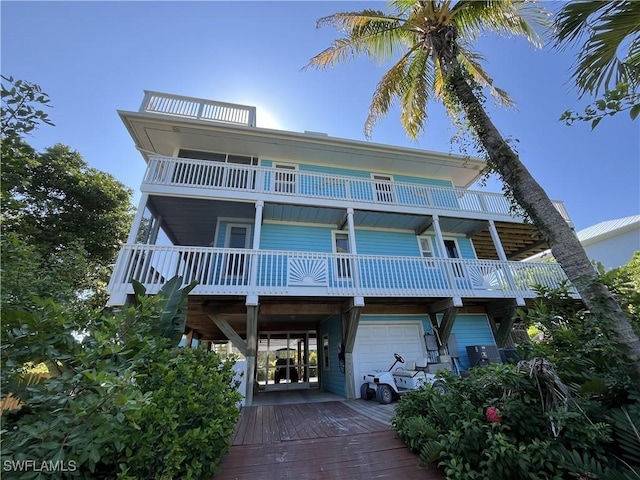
{"type": "Point", "coordinates": [123, 404]}
{"type": "Point", "coordinates": [500, 423]}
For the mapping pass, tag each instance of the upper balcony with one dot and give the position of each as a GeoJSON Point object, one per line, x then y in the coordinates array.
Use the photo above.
{"type": "Point", "coordinates": [198, 109]}
{"type": "Point", "coordinates": [215, 180]}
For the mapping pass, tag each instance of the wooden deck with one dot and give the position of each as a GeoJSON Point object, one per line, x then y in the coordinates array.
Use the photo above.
{"type": "Point", "coordinates": [318, 441]}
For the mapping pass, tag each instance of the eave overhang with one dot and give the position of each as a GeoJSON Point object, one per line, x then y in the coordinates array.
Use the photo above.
{"type": "Point", "coordinates": [165, 134]}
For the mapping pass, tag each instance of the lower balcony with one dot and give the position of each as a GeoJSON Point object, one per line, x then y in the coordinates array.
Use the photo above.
{"type": "Point", "coordinates": [226, 271]}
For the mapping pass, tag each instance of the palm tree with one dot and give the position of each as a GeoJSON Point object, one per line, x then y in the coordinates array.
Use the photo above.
{"type": "Point", "coordinates": [437, 62]}
{"type": "Point", "coordinates": [608, 36]}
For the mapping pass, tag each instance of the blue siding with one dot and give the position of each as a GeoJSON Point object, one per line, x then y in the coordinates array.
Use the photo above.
{"type": "Point", "coordinates": [311, 185]}
{"type": "Point", "coordinates": [332, 379]}
{"type": "Point", "coordinates": [301, 238]}
{"type": "Point", "coordinates": [465, 248]}
{"type": "Point", "coordinates": [470, 329]}
{"type": "Point", "coordinates": [381, 242]}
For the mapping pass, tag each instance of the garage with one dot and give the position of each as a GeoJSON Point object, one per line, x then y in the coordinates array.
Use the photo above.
{"type": "Point", "coordinates": [376, 342]}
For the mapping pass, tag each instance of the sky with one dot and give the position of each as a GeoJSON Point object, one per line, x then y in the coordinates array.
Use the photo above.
{"type": "Point", "coordinates": [95, 58]}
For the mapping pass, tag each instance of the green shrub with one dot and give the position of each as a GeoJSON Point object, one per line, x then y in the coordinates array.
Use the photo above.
{"type": "Point", "coordinates": [122, 404]}
{"type": "Point", "coordinates": [499, 423]}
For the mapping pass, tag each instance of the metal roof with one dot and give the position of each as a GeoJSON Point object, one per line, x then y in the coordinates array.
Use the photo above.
{"type": "Point", "coordinates": [608, 228]}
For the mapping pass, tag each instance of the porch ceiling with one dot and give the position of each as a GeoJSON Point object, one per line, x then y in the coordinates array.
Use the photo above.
{"type": "Point", "coordinates": [192, 221]}
{"type": "Point", "coordinates": [283, 314]}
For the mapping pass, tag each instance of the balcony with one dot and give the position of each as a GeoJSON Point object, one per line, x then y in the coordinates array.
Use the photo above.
{"type": "Point", "coordinates": [226, 180]}
{"type": "Point", "coordinates": [291, 273]}
{"type": "Point", "coordinates": [198, 109]}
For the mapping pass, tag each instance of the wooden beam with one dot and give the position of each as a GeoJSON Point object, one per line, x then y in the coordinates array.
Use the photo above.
{"type": "Point", "coordinates": [300, 308]}
{"type": "Point", "coordinates": [445, 304]}
{"type": "Point", "coordinates": [252, 351]}
{"type": "Point", "coordinates": [350, 322]}
{"type": "Point", "coordinates": [230, 333]}
{"type": "Point", "coordinates": [395, 309]}
{"type": "Point", "coordinates": [446, 326]}
{"type": "Point", "coordinates": [505, 312]}
{"type": "Point", "coordinates": [224, 308]}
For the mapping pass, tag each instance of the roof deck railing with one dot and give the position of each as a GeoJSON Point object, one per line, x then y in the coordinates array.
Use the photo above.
{"type": "Point", "coordinates": [198, 108]}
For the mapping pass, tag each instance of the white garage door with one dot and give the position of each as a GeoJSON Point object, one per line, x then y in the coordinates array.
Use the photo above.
{"type": "Point", "coordinates": [377, 342]}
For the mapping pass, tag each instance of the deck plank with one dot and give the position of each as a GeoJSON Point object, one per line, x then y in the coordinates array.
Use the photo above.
{"type": "Point", "coordinates": [322, 440]}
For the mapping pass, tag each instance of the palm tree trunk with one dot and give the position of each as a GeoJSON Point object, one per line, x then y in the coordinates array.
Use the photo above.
{"type": "Point", "coordinates": [564, 243]}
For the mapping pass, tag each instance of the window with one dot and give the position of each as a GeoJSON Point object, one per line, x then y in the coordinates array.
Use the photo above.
{"type": "Point", "coordinates": [341, 245]}
{"type": "Point", "coordinates": [218, 175]}
{"type": "Point", "coordinates": [425, 247]}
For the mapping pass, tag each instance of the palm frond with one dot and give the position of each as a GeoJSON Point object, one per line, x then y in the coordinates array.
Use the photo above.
{"type": "Point", "coordinates": [601, 29]}
{"type": "Point", "coordinates": [390, 86]}
{"type": "Point", "coordinates": [507, 18]}
{"type": "Point", "coordinates": [419, 82]}
{"type": "Point", "coordinates": [370, 32]}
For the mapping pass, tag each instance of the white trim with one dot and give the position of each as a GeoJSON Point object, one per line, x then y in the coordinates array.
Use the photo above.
{"type": "Point", "coordinates": [419, 238]}
{"type": "Point", "coordinates": [230, 221]}
{"type": "Point", "coordinates": [227, 234]}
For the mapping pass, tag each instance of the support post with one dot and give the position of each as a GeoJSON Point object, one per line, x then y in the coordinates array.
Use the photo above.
{"type": "Point", "coordinates": [350, 322]}
{"type": "Point", "coordinates": [252, 351]}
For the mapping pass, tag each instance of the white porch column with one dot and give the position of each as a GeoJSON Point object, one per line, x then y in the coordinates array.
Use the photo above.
{"type": "Point", "coordinates": [439, 238]}
{"type": "Point", "coordinates": [443, 253]}
{"type": "Point", "coordinates": [496, 241]}
{"type": "Point", "coordinates": [137, 220]}
{"type": "Point", "coordinates": [252, 299]}
{"type": "Point", "coordinates": [358, 300]}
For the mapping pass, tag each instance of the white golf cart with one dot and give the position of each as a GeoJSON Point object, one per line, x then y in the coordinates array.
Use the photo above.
{"type": "Point", "coordinates": [388, 386]}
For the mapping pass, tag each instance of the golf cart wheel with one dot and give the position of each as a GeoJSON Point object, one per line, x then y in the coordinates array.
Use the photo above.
{"type": "Point", "coordinates": [364, 392]}
{"type": "Point", "coordinates": [439, 387]}
{"type": "Point", "coordinates": [384, 394]}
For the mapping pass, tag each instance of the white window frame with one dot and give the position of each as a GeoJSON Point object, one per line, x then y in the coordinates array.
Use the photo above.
{"type": "Point", "coordinates": [420, 238]}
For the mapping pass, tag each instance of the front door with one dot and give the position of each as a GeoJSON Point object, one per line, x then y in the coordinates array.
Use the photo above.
{"type": "Point", "coordinates": [287, 360]}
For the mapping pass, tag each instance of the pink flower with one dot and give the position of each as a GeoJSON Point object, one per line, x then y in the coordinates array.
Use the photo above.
{"type": "Point", "coordinates": [492, 415]}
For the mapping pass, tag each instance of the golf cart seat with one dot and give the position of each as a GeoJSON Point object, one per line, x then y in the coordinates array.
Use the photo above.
{"type": "Point", "coordinates": [421, 365]}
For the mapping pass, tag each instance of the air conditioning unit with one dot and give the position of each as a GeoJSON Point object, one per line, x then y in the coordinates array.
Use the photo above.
{"type": "Point", "coordinates": [483, 355]}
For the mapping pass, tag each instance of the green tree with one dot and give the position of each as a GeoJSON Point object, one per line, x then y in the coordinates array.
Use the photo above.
{"type": "Point", "coordinates": [608, 62]}
{"type": "Point", "coordinates": [437, 62]}
{"type": "Point", "coordinates": [22, 112]}
{"type": "Point", "coordinates": [53, 200]}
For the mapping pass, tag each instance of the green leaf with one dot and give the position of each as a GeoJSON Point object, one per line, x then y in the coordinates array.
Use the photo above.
{"type": "Point", "coordinates": [595, 122]}
{"type": "Point", "coordinates": [635, 110]}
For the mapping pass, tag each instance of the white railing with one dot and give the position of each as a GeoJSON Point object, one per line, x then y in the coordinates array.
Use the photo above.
{"type": "Point", "coordinates": [171, 171]}
{"type": "Point", "coordinates": [198, 109]}
{"type": "Point", "coordinates": [225, 271]}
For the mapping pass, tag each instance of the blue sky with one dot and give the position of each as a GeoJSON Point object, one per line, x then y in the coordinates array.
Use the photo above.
{"type": "Point", "coordinates": [94, 58]}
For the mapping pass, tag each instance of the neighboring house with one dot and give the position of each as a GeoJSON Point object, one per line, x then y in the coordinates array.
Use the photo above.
{"type": "Point", "coordinates": [611, 243]}
{"type": "Point", "coordinates": [319, 257]}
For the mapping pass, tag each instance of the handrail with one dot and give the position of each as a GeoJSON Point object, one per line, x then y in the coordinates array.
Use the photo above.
{"type": "Point", "coordinates": [198, 108]}
{"type": "Point", "coordinates": [223, 271]}
{"type": "Point", "coordinates": [172, 171]}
